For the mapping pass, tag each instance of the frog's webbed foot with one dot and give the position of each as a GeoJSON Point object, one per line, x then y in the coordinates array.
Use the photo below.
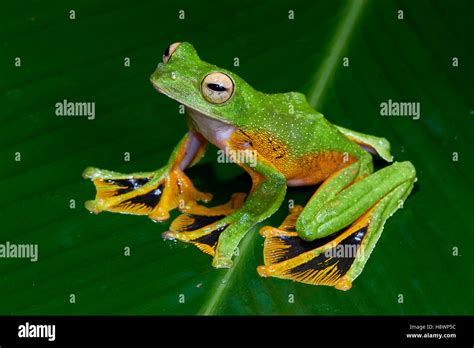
{"type": "Point", "coordinates": [288, 256]}
{"type": "Point", "coordinates": [202, 226]}
{"type": "Point", "coordinates": [151, 193]}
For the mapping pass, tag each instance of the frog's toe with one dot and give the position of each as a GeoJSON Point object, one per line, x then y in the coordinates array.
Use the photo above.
{"type": "Point", "coordinates": [202, 226]}
{"type": "Point", "coordinates": [288, 225]}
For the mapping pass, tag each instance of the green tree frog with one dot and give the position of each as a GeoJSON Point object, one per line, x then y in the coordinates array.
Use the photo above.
{"type": "Point", "coordinates": [328, 241]}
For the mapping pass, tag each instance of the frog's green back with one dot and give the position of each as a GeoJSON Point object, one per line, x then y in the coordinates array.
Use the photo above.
{"type": "Point", "coordinates": [297, 105]}
{"type": "Point", "coordinates": [291, 120]}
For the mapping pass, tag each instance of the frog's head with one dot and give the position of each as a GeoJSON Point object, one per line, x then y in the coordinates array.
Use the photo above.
{"type": "Point", "coordinates": [203, 87]}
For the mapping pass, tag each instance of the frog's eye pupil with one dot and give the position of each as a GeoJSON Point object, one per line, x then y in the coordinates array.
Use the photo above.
{"type": "Point", "coordinates": [167, 51]}
{"type": "Point", "coordinates": [216, 87]}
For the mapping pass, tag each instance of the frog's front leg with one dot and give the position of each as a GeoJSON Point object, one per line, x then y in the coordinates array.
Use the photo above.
{"type": "Point", "coordinates": [220, 234]}
{"type": "Point", "coordinates": [266, 196]}
{"type": "Point", "coordinates": [329, 242]}
{"type": "Point", "coordinates": [151, 193]}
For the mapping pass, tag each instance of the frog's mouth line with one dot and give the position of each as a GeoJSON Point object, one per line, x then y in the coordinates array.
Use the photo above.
{"type": "Point", "coordinates": [203, 113]}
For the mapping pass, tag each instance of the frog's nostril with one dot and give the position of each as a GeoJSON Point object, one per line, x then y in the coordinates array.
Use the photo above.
{"type": "Point", "coordinates": [160, 64]}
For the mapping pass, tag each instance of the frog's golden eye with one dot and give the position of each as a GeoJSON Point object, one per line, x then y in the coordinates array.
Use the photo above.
{"type": "Point", "coordinates": [217, 87]}
{"type": "Point", "coordinates": [169, 51]}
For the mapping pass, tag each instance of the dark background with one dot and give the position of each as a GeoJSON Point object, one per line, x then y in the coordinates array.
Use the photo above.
{"type": "Point", "coordinates": [82, 60]}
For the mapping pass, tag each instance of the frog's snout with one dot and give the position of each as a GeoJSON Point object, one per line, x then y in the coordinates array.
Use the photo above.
{"type": "Point", "coordinates": [157, 74]}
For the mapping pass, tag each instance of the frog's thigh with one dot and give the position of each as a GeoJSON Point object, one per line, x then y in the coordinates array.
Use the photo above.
{"type": "Point", "coordinates": [319, 220]}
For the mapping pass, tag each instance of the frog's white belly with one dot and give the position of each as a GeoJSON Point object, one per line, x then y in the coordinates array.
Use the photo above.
{"type": "Point", "coordinates": [215, 131]}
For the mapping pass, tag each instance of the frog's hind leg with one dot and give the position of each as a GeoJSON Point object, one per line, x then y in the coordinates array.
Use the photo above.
{"type": "Point", "coordinates": [203, 226]}
{"type": "Point", "coordinates": [150, 193]}
{"type": "Point", "coordinates": [336, 258]}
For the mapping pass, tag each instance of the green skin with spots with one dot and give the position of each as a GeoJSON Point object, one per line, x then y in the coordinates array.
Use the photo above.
{"type": "Point", "coordinates": [289, 118]}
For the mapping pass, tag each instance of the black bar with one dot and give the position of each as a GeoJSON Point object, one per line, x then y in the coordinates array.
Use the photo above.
{"type": "Point", "coordinates": [241, 330]}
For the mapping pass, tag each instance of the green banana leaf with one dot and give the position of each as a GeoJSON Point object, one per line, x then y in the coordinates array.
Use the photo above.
{"type": "Point", "coordinates": [423, 262]}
